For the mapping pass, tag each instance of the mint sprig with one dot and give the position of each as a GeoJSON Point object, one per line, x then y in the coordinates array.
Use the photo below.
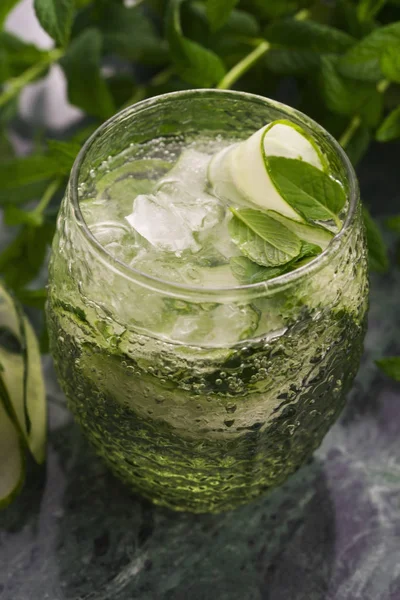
{"type": "Point", "coordinates": [275, 242]}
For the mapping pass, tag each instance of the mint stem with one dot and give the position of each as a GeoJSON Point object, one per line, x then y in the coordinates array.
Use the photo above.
{"type": "Point", "coordinates": [350, 130]}
{"type": "Point", "coordinates": [243, 66]}
{"type": "Point", "coordinates": [47, 196]}
{"type": "Point", "coordinates": [18, 83]}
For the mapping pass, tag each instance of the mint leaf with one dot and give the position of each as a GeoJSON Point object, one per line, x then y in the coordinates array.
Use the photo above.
{"type": "Point", "coordinates": [298, 46]}
{"type": "Point", "coordinates": [6, 7]}
{"type": "Point", "coordinates": [291, 61]}
{"type": "Point", "coordinates": [390, 366]}
{"type": "Point", "coordinates": [195, 64]}
{"type": "Point", "coordinates": [86, 87]}
{"type": "Point", "coordinates": [16, 55]}
{"type": "Point", "coordinates": [274, 8]}
{"type": "Point", "coordinates": [390, 62]}
{"type": "Point", "coordinates": [239, 23]}
{"type": "Point", "coordinates": [64, 153]}
{"type": "Point", "coordinates": [22, 193]}
{"type": "Point", "coordinates": [19, 172]}
{"type": "Point", "coordinates": [55, 16]}
{"type": "Point", "coordinates": [390, 128]}
{"type": "Point", "coordinates": [377, 252]}
{"type": "Point", "coordinates": [362, 61]}
{"type": "Point", "coordinates": [368, 9]}
{"type": "Point", "coordinates": [247, 271]}
{"type": "Point", "coordinates": [262, 239]}
{"type": "Point", "coordinates": [218, 12]}
{"type": "Point", "coordinates": [346, 17]}
{"type": "Point", "coordinates": [254, 247]}
{"type": "Point", "coordinates": [269, 230]}
{"type": "Point", "coordinates": [308, 35]}
{"type": "Point", "coordinates": [22, 260]}
{"type": "Point", "coordinates": [307, 189]}
{"type": "Point", "coordinates": [347, 97]}
{"type": "Point", "coordinates": [307, 251]}
{"type": "Point", "coordinates": [393, 223]}
{"type": "Point", "coordinates": [129, 33]}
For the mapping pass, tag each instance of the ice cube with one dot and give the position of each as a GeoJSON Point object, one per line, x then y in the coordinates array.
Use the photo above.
{"type": "Point", "coordinates": [159, 225]}
{"type": "Point", "coordinates": [196, 208]}
{"type": "Point", "coordinates": [183, 189]}
{"type": "Point", "coordinates": [179, 207]}
{"type": "Point", "coordinates": [117, 239]}
{"type": "Point", "coordinates": [190, 170]}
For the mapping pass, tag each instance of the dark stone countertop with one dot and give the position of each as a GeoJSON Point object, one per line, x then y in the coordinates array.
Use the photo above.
{"type": "Point", "coordinates": [332, 532]}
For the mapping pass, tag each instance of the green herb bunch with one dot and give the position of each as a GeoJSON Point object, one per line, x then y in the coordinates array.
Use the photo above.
{"type": "Point", "coordinates": [341, 58]}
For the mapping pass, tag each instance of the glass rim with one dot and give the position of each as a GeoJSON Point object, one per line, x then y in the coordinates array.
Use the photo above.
{"type": "Point", "coordinates": [185, 291]}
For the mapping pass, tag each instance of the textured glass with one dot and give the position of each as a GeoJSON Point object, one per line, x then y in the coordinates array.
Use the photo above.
{"type": "Point", "coordinates": [203, 427]}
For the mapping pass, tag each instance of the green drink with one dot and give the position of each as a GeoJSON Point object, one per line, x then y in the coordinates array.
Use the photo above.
{"type": "Point", "coordinates": [203, 378]}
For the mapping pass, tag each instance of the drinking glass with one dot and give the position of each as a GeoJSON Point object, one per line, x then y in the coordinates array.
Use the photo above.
{"type": "Point", "coordinates": [208, 425]}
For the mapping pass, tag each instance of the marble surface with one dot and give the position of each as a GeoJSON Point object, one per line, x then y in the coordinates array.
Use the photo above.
{"type": "Point", "coordinates": [331, 532]}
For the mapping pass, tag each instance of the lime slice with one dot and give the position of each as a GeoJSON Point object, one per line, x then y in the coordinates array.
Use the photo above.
{"type": "Point", "coordinates": [21, 377]}
{"type": "Point", "coordinates": [313, 234]}
{"type": "Point", "coordinates": [241, 170]}
{"type": "Point", "coordinates": [12, 464]}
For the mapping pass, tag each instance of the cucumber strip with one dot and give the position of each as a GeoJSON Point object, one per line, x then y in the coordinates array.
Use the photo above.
{"type": "Point", "coordinates": [250, 163]}
{"type": "Point", "coordinates": [35, 397]}
{"type": "Point", "coordinates": [12, 462]}
{"type": "Point", "coordinates": [21, 378]}
{"type": "Point", "coordinates": [219, 175]}
{"type": "Point", "coordinates": [239, 173]}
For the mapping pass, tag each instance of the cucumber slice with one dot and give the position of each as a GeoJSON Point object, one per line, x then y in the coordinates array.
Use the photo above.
{"type": "Point", "coordinates": [308, 233]}
{"type": "Point", "coordinates": [21, 377]}
{"type": "Point", "coordinates": [240, 172]}
{"type": "Point", "coordinates": [12, 463]}
{"type": "Point", "coordinates": [35, 397]}
{"type": "Point", "coordinates": [219, 175]}
{"type": "Point", "coordinates": [250, 163]}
